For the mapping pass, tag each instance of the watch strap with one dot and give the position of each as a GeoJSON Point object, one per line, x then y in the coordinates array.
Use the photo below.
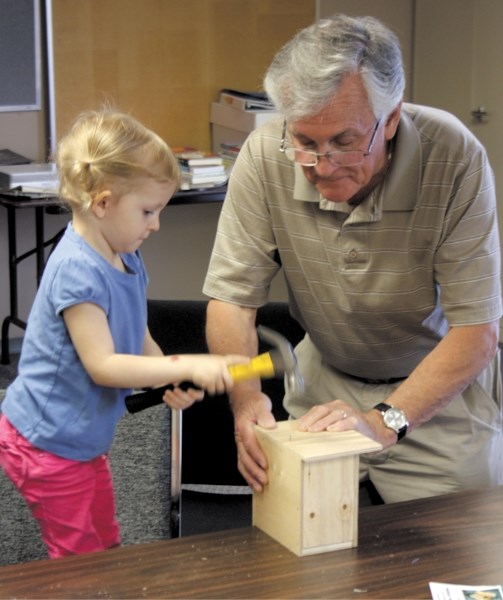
{"type": "Point", "coordinates": [382, 407]}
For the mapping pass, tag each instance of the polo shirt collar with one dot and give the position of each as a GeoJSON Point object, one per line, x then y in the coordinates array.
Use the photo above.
{"type": "Point", "coordinates": [402, 183]}
{"type": "Point", "coordinates": [398, 191]}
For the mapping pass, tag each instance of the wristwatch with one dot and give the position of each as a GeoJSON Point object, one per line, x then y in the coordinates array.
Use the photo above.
{"type": "Point", "coordinates": [393, 418]}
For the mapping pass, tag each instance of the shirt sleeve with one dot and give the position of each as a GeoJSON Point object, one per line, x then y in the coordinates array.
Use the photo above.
{"type": "Point", "coordinates": [77, 282]}
{"type": "Point", "coordinates": [243, 262]}
{"type": "Point", "coordinates": [467, 261]}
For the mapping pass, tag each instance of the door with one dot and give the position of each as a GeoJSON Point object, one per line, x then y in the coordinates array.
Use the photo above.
{"type": "Point", "coordinates": [458, 51]}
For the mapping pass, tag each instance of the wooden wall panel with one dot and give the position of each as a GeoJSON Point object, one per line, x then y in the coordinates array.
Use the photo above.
{"type": "Point", "coordinates": [166, 60]}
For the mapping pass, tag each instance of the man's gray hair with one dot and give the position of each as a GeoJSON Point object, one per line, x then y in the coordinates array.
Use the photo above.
{"type": "Point", "coordinates": [306, 73]}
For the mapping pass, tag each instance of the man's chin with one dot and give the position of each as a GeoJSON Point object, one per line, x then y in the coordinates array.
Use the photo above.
{"type": "Point", "coordinates": [334, 195]}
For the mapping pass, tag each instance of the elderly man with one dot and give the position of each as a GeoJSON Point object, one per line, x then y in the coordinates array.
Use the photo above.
{"type": "Point", "coordinates": [382, 217]}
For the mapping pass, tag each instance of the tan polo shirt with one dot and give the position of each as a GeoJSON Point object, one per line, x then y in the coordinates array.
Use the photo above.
{"type": "Point", "coordinates": [378, 286]}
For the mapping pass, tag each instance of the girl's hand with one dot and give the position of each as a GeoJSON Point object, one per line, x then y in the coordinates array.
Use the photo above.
{"type": "Point", "coordinates": [182, 399]}
{"type": "Point", "coordinates": [210, 372]}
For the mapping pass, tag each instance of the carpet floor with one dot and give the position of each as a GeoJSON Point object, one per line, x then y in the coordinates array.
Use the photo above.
{"type": "Point", "coordinates": [8, 372]}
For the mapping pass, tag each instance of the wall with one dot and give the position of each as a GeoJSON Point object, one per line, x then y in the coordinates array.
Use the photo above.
{"type": "Point", "coordinates": [24, 132]}
{"type": "Point", "coordinates": [398, 15]}
{"type": "Point", "coordinates": [471, 57]}
{"type": "Point", "coordinates": [177, 256]}
{"type": "Point", "coordinates": [165, 62]}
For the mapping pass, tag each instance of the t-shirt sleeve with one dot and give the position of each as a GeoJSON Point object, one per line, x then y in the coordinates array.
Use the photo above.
{"type": "Point", "coordinates": [76, 283]}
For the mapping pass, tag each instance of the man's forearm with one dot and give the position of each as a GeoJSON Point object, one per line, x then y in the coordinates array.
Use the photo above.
{"type": "Point", "coordinates": [230, 329]}
{"type": "Point", "coordinates": [457, 360]}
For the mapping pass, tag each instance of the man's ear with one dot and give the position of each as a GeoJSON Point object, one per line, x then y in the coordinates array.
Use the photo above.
{"type": "Point", "coordinates": [392, 121]}
{"type": "Point", "coordinates": [101, 202]}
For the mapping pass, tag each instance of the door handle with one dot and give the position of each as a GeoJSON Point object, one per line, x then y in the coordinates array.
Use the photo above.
{"type": "Point", "coordinates": [479, 114]}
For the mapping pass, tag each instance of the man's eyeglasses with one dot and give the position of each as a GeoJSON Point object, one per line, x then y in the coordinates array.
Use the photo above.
{"type": "Point", "coordinates": [337, 158]}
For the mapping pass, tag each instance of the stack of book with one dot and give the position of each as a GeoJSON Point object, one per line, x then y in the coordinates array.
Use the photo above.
{"type": "Point", "coordinates": [246, 100]}
{"type": "Point", "coordinates": [230, 150]}
{"type": "Point", "coordinates": [200, 169]}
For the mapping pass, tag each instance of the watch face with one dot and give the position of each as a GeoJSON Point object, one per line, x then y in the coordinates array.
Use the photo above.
{"type": "Point", "coordinates": [395, 419]}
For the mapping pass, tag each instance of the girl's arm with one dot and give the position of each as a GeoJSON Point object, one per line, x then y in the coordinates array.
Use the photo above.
{"type": "Point", "coordinates": [150, 346]}
{"type": "Point", "coordinates": [89, 331]}
{"type": "Point", "coordinates": [176, 398]}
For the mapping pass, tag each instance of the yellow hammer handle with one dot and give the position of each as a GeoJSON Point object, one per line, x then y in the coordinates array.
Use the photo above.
{"type": "Point", "coordinates": [259, 366]}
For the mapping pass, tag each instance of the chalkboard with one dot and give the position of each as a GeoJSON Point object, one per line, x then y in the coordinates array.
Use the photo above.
{"type": "Point", "coordinates": [20, 79]}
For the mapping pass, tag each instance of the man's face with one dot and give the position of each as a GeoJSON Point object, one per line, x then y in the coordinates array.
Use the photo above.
{"type": "Point", "coordinates": [347, 123]}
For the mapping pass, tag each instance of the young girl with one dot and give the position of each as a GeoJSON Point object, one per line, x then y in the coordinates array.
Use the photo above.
{"type": "Point", "coordinates": [87, 342]}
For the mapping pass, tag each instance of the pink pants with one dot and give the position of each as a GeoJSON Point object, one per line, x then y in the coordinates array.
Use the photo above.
{"type": "Point", "coordinates": [72, 501]}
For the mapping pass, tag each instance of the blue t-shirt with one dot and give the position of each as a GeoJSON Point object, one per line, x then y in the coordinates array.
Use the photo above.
{"type": "Point", "coordinates": [53, 402]}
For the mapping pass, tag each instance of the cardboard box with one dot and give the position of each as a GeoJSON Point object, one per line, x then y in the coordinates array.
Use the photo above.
{"type": "Point", "coordinates": [310, 504]}
{"type": "Point", "coordinates": [233, 125]}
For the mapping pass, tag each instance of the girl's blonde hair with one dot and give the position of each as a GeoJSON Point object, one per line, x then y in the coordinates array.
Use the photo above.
{"type": "Point", "coordinates": [108, 148]}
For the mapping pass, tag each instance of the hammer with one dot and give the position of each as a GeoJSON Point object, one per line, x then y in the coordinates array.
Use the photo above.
{"type": "Point", "coordinates": [279, 361]}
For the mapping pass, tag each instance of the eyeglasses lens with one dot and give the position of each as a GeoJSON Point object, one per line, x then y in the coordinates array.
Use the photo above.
{"type": "Point", "coordinates": [307, 158]}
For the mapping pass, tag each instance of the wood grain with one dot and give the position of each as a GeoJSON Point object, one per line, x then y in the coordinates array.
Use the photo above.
{"type": "Point", "coordinates": [310, 503]}
{"type": "Point", "coordinates": [455, 538]}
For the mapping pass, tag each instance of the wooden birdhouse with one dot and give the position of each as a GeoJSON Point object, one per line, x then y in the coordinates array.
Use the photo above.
{"type": "Point", "coordinates": [310, 504]}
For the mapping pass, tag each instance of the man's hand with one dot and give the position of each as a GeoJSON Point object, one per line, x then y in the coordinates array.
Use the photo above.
{"type": "Point", "coordinates": [443, 373]}
{"type": "Point", "coordinates": [253, 410]}
{"type": "Point", "coordinates": [339, 416]}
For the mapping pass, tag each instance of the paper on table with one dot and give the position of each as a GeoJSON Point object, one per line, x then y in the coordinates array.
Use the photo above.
{"type": "Point", "coordinates": [447, 591]}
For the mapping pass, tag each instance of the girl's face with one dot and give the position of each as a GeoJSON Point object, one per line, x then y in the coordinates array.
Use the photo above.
{"type": "Point", "coordinates": [127, 219]}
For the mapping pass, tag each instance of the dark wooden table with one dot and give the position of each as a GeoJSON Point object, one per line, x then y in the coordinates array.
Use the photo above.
{"type": "Point", "coordinates": [456, 538]}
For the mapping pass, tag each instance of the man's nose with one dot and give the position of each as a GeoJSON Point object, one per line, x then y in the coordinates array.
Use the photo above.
{"type": "Point", "coordinates": [324, 167]}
